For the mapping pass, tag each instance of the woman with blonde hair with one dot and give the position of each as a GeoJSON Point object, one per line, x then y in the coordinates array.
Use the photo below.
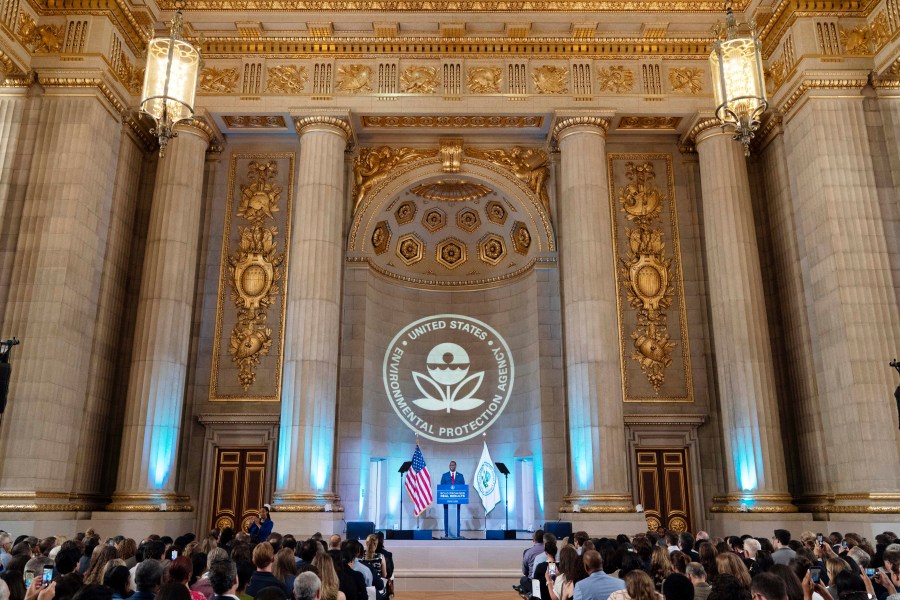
{"type": "Point", "coordinates": [126, 550]}
{"type": "Point", "coordinates": [729, 563]}
{"type": "Point", "coordinates": [328, 576]}
{"type": "Point", "coordinates": [373, 559]}
{"type": "Point", "coordinates": [638, 586]}
{"type": "Point", "coordinates": [660, 566]}
{"type": "Point", "coordinates": [285, 567]}
{"type": "Point", "coordinates": [99, 557]}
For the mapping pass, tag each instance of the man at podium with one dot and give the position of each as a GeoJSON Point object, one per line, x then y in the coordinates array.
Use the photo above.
{"type": "Point", "coordinates": [451, 477]}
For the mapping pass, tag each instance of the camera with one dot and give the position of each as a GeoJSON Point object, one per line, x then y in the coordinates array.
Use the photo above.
{"type": "Point", "coordinates": [46, 576]}
{"type": "Point", "coordinates": [814, 573]}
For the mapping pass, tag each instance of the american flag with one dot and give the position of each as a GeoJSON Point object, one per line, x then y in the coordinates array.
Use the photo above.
{"type": "Point", "coordinates": [418, 483]}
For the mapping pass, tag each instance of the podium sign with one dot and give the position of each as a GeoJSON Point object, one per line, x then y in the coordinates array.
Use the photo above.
{"type": "Point", "coordinates": [452, 494]}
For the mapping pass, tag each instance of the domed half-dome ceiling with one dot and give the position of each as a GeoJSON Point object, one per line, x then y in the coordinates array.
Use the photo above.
{"type": "Point", "coordinates": [476, 226]}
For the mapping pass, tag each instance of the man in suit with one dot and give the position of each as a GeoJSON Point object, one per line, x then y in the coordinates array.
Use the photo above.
{"type": "Point", "coordinates": [451, 477]}
{"type": "Point", "coordinates": [598, 585]}
{"type": "Point", "coordinates": [223, 580]}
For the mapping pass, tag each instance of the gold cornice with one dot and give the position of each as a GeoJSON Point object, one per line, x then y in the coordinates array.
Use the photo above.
{"type": "Point", "coordinates": [140, 502]}
{"type": "Point", "coordinates": [688, 48]}
{"type": "Point", "coordinates": [48, 507]}
{"type": "Point", "coordinates": [820, 84]}
{"type": "Point", "coordinates": [788, 11]}
{"type": "Point", "coordinates": [198, 125]}
{"type": "Point", "coordinates": [334, 123]}
{"type": "Point", "coordinates": [769, 508]}
{"type": "Point", "coordinates": [456, 6]}
{"type": "Point", "coordinates": [600, 123]}
{"type": "Point", "coordinates": [701, 126]}
{"type": "Point", "coordinates": [451, 121]}
{"type": "Point", "coordinates": [117, 11]}
{"type": "Point", "coordinates": [84, 83]}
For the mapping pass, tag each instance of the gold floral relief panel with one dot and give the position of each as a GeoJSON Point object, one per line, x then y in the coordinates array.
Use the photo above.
{"type": "Point", "coordinates": [252, 276]}
{"type": "Point", "coordinates": [655, 353]}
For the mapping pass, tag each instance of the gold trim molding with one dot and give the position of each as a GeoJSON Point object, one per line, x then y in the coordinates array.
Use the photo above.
{"type": "Point", "coordinates": [149, 503]}
{"type": "Point", "coordinates": [452, 121]}
{"type": "Point", "coordinates": [600, 123]}
{"type": "Point", "coordinates": [652, 6]}
{"type": "Point", "coordinates": [820, 84]}
{"type": "Point", "coordinates": [304, 124]}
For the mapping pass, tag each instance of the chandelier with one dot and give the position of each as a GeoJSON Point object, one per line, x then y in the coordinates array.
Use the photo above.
{"type": "Point", "coordinates": [170, 80]}
{"type": "Point", "coordinates": [738, 82]}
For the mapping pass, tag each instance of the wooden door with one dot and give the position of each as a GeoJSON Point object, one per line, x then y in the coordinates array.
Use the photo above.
{"type": "Point", "coordinates": [665, 488]}
{"type": "Point", "coordinates": [238, 486]}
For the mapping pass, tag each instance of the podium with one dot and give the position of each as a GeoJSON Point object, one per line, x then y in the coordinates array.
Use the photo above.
{"type": "Point", "coordinates": [449, 495]}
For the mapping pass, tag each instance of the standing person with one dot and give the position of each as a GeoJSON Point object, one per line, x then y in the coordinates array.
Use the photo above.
{"type": "Point", "coordinates": [261, 527]}
{"type": "Point", "coordinates": [598, 585]}
{"type": "Point", "coordinates": [783, 553]}
{"type": "Point", "coordinates": [451, 477]}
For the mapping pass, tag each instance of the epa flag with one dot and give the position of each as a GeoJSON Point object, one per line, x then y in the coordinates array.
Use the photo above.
{"type": "Point", "coordinates": [418, 483]}
{"type": "Point", "coordinates": [486, 481]}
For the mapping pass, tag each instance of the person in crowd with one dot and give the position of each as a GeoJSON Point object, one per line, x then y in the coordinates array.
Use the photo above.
{"type": "Point", "coordinates": [261, 527]}
{"type": "Point", "coordinates": [373, 559]}
{"type": "Point", "coordinates": [708, 559]}
{"type": "Point", "coordinates": [334, 542]}
{"type": "Point", "coordinates": [671, 541]}
{"type": "Point", "coordinates": [731, 564]}
{"type": "Point", "coordinates": [351, 582]}
{"type": "Point", "coordinates": [180, 571]}
{"type": "Point", "coordinates": [6, 544]}
{"type": "Point", "coordinates": [570, 569]}
{"type": "Point", "coordinates": [330, 590]}
{"type": "Point", "coordinates": [4, 590]}
{"type": "Point", "coordinates": [677, 587]}
{"type": "Point", "coordinates": [67, 561]}
{"type": "Point", "coordinates": [686, 544]}
{"type": "Point", "coordinates": [679, 561]}
{"type": "Point", "coordinates": [660, 566]}
{"type": "Point", "coordinates": [546, 569]}
{"type": "Point", "coordinates": [768, 586]}
{"type": "Point", "coordinates": [90, 544]}
{"type": "Point", "coordinates": [697, 574]}
{"type": "Point", "coordinates": [781, 542]}
{"type": "Point", "coordinates": [638, 586]}
{"type": "Point", "coordinates": [152, 549]}
{"type": "Point", "coordinates": [579, 538]}
{"type": "Point", "coordinates": [172, 591]}
{"type": "Point", "coordinates": [835, 538]}
{"type": "Point", "coordinates": [245, 571]}
{"type": "Point", "coordinates": [528, 557]}
{"type": "Point", "coordinates": [355, 548]}
{"type": "Point", "coordinates": [597, 585]}
{"type": "Point", "coordinates": [263, 557]}
{"type": "Point", "coordinates": [126, 550]}
{"type": "Point", "coordinates": [728, 587]}
{"type": "Point", "coordinates": [223, 579]}
{"type": "Point", "coordinates": [307, 586]}
{"type": "Point", "coordinates": [15, 583]}
{"type": "Point", "coordinates": [284, 568]}
{"type": "Point", "coordinates": [202, 584]}
{"type": "Point", "coordinates": [99, 558]}
{"type": "Point", "coordinates": [147, 579]}
{"type": "Point", "coordinates": [118, 579]}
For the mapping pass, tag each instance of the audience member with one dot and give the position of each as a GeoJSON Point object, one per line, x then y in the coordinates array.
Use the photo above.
{"type": "Point", "coordinates": [328, 576]}
{"type": "Point", "coordinates": [147, 578]}
{"type": "Point", "coordinates": [263, 556]}
{"type": "Point", "coordinates": [223, 579]}
{"type": "Point", "coordinates": [783, 553]}
{"type": "Point", "coordinates": [307, 586]}
{"type": "Point", "coordinates": [697, 575]}
{"type": "Point", "coordinates": [769, 586]}
{"type": "Point", "coordinates": [597, 585]}
{"type": "Point", "coordinates": [638, 586]}
{"type": "Point", "coordinates": [677, 587]}
{"type": "Point", "coordinates": [118, 579]}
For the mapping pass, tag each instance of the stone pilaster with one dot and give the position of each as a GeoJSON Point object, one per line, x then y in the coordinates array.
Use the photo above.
{"type": "Point", "coordinates": [88, 462]}
{"type": "Point", "coordinates": [12, 127]}
{"type": "Point", "coordinates": [156, 386]}
{"type": "Point", "coordinates": [852, 297]}
{"type": "Point", "coordinates": [599, 475]}
{"type": "Point", "coordinates": [798, 349]}
{"type": "Point", "coordinates": [304, 477]}
{"type": "Point", "coordinates": [754, 452]}
{"type": "Point", "coordinates": [55, 291]}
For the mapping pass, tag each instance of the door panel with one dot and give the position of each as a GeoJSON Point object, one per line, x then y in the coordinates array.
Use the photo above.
{"type": "Point", "coordinates": [238, 486]}
{"type": "Point", "coordinates": [664, 487]}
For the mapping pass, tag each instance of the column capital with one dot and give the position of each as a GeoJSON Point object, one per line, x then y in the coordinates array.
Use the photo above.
{"type": "Point", "coordinates": [331, 124]}
{"type": "Point", "coordinates": [565, 125]}
{"type": "Point", "coordinates": [703, 122]}
{"type": "Point", "coordinates": [197, 126]}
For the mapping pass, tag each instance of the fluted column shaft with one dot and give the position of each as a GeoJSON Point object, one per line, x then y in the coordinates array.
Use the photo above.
{"type": "Point", "coordinates": [55, 288]}
{"type": "Point", "coordinates": [590, 321]}
{"type": "Point", "coordinates": [12, 115]}
{"type": "Point", "coordinates": [162, 333]}
{"type": "Point", "coordinates": [852, 294]}
{"type": "Point", "coordinates": [754, 454]}
{"type": "Point", "coordinates": [312, 329]}
{"type": "Point", "coordinates": [787, 252]}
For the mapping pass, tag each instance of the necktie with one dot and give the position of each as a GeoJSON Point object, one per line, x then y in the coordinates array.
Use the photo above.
{"type": "Point", "coordinates": [452, 477]}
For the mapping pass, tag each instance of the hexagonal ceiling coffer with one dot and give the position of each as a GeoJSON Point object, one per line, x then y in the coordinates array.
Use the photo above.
{"type": "Point", "coordinates": [434, 219]}
{"type": "Point", "coordinates": [381, 237]}
{"type": "Point", "coordinates": [521, 237]}
{"type": "Point", "coordinates": [496, 212]}
{"type": "Point", "coordinates": [451, 253]}
{"type": "Point", "coordinates": [405, 213]}
{"type": "Point", "coordinates": [410, 248]}
{"type": "Point", "coordinates": [468, 220]}
{"type": "Point", "coordinates": [491, 249]}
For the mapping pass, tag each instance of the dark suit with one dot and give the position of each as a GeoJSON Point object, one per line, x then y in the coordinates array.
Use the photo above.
{"type": "Point", "coordinates": [447, 479]}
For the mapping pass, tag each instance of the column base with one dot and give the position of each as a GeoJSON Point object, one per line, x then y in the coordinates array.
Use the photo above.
{"type": "Point", "coordinates": [37, 501]}
{"type": "Point", "coordinates": [149, 502]}
{"type": "Point", "coordinates": [873, 503]}
{"type": "Point", "coordinates": [597, 503]}
{"type": "Point", "coordinates": [753, 503]}
{"type": "Point", "coordinates": [107, 524]}
{"type": "Point", "coordinates": [307, 503]}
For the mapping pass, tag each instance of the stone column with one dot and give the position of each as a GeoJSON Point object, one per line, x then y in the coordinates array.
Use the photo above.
{"type": "Point", "coordinates": [162, 332]}
{"type": "Point", "coordinates": [852, 294]}
{"type": "Point", "coordinates": [599, 472]}
{"type": "Point", "coordinates": [304, 476]}
{"type": "Point", "coordinates": [754, 455]}
{"type": "Point", "coordinates": [54, 291]}
{"type": "Point", "coordinates": [12, 126]}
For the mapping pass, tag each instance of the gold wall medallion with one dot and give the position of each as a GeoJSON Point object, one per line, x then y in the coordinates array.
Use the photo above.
{"type": "Point", "coordinates": [616, 79]}
{"type": "Point", "coordinates": [657, 367]}
{"type": "Point", "coordinates": [254, 262]}
{"type": "Point", "coordinates": [419, 80]}
{"type": "Point", "coordinates": [354, 79]}
{"type": "Point", "coordinates": [686, 80]}
{"type": "Point", "coordinates": [218, 81]}
{"type": "Point", "coordinates": [451, 253]}
{"type": "Point", "coordinates": [484, 80]}
{"type": "Point", "coordinates": [372, 166]}
{"type": "Point", "coordinates": [529, 165]}
{"type": "Point", "coordinates": [881, 30]}
{"type": "Point", "coordinates": [286, 79]}
{"type": "Point", "coordinates": [521, 237]}
{"type": "Point", "coordinates": [551, 80]}
{"type": "Point", "coordinates": [41, 39]}
{"type": "Point", "coordinates": [857, 40]}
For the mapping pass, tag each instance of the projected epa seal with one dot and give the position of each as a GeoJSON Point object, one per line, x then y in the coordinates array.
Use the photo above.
{"type": "Point", "coordinates": [448, 377]}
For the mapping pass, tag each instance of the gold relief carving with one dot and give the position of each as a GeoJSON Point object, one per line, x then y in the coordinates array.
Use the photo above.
{"type": "Point", "coordinates": [410, 249]}
{"type": "Point", "coordinates": [381, 237]}
{"type": "Point", "coordinates": [521, 237]}
{"type": "Point", "coordinates": [616, 79]}
{"type": "Point", "coordinates": [686, 80]}
{"type": "Point", "coordinates": [551, 80]}
{"type": "Point", "coordinates": [649, 123]}
{"type": "Point", "coordinates": [451, 155]}
{"type": "Point", "coordinates": [451, 253]}
{"type": "Point", "coordinates": [354, 78]}
{"type": "Point", "coordinates": [255, 121]}
{"type": "Point", "coordinates": [677, 525]}
{"type": "Point", "coordinates": [776, 73]}
{"type": "Point", "coordinates": [255, 271]}
{"type": "Point", "coordinates": [373, 165]}
{"type": "Point", "coordinates": [468, 220]}
{"type": "Point", "coordinates": [653, 524]}
{"type": "Point", "coordinates": [496, 212]}
{"type": "Point", "coordinates": [218, 81]}
{"type": "Point", "coordinates": [41, 39]}
{"type": "Point", "coordinates": [131, 76]}
{"type": "Point", "coordinates": [419, 80]}
{"type": "Point", "coordinates": [484, 80]}
{"type": "Point", "coordinates": [451, 190]}
{"type": "Point", "coordinates": [529, 165]}
{"type": "Point", "coordinates": [492, 249]}
{"type": "Point", "coordinates": [224, 522]}
{"type": "Point", "coordinates": [651, 6]}
{"type": "Point", "coordinates": [881, 31]}
{"type": "Point", "coordinates": [406, 212]}
{"type": "Point", "coordinates": [820, 84]}
{"type": "Point", "coordinates": [455, 122]}
{"type": "Point", "coordinates": [286, 79]}
{"type": "Point", "coordinates": [434, 219]}
{"type": "Point", "coordinates": [646, 273]}
{"type": "Point", "coordinates": [856, 40]}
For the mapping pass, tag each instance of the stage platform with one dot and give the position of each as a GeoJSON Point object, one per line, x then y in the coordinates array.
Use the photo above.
{"type": "Point", "coordinates": [457, 565]}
